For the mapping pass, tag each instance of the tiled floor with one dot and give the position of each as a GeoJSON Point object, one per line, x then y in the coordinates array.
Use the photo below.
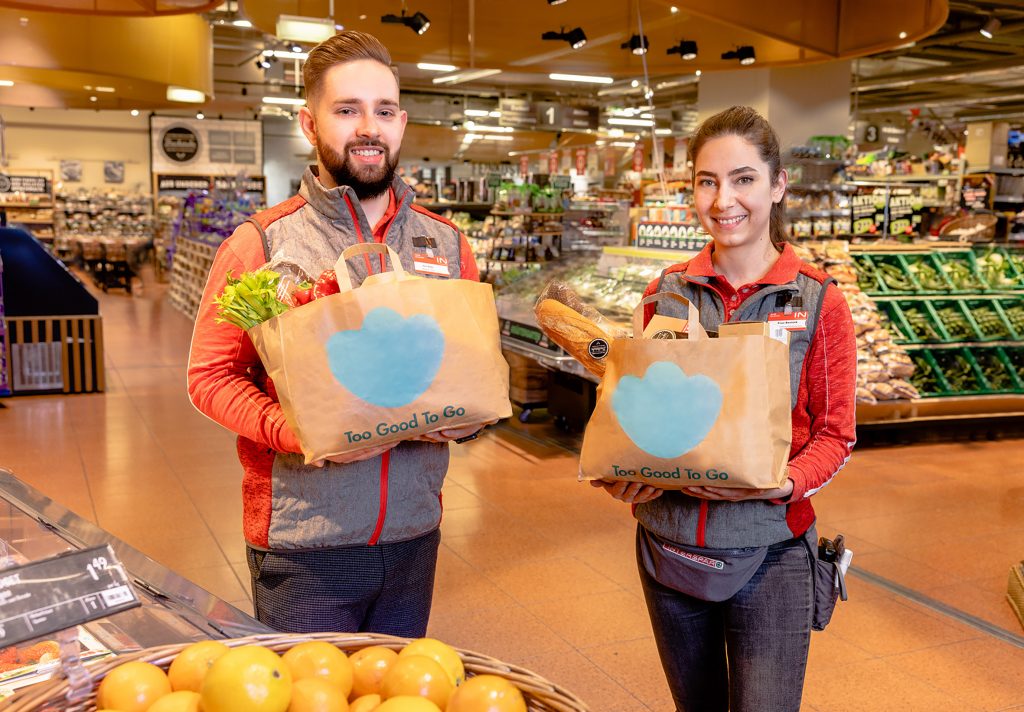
{"type": "Point", "coordinates": [538, 570]}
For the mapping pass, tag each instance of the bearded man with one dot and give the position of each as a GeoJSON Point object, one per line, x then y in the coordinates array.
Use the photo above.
{"type": "Point", "coordinates": [349, 544]}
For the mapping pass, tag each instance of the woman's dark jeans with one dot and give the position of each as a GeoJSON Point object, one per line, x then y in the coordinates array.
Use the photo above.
{"type": "Point", "coordinates": [745, 654]}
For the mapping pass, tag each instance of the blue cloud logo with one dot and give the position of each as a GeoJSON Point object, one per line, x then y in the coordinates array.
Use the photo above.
{"type": "Point", "coordinates": [391, 360]}
{"type": "Point", "coordinates": [667, 413]}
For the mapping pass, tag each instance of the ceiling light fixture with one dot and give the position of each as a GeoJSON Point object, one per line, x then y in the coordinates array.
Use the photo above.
{"type": "Point", "coordinates": [575, 37]}
{"type": "Point", "coordinates": [990, 27]}
{"type": "Point", "coordinates": [284, 54]}
{"type": "Point", "coordinates": [285, 100]}
{"type": "Point", "coordinates": [476, 112]}
{"type": "Point", "coordinates": [417, 22]}
{"type": "Point", "coordinates": [200, 115]}
{"type": "Point", "coordinates": [296, 28]}
{"type": "Point", "coordinates": [477, 128]}
{"type": "Point", "coordinates": [187, 96]}
{"type": "Point", "coordinates": [555, 2]}
{"type": "Point", "coordinates": [134, 112]}
{"type": "Point", "coordinates": [245, 24]}
{"type": "Point", "coordinates": [903, 35]}
{"type": "Point", "coordinates": [687, 49]}
{"type": "Point", "coordinates": [673, 9]}
{"type": "Point", "coordinates": [620, 121]}
{"type": "Point", "coordinates": [92, 98]}
{"type": "Point", "coordinates": [585, 78]}
{"type": "Point", "coordinates": [745, 54]}
{"type": "Point", "coordinates": [431, 67]}
{"type": "Point", "coordinates": [6, 83]}
{"type": "Point", "coordinates": [466, 75]}
{"type": "Point", "coordinates": [663, 132]}
{"type": "Point", "coordinates": [637, 44]}
{"type": "Point", "coordinates": [105, 90]}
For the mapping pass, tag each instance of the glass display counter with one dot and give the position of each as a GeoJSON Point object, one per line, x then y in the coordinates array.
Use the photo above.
{"type": "Point", "coordinates": [173, 610]}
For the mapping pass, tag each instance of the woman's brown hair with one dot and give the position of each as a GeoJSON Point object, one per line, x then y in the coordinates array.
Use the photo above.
{"type": "Point", "coordinates": [745, 122]}
{"type": "Point", "coordinates": [344, 47]}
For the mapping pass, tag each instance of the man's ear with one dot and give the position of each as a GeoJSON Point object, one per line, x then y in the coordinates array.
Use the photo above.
{"type": "Point", "coordinates": [308, 125]}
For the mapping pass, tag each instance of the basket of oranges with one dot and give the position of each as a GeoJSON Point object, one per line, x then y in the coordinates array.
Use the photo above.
{"type": "Point", "coordinates": [319, 672]}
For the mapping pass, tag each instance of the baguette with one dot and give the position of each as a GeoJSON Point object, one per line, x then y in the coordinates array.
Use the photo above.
{"type": "Point", "coordinates": [572, 331]}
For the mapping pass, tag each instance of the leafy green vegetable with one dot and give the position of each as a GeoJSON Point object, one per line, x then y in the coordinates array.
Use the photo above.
{"type": "Point", "coordinates": [250, 300]}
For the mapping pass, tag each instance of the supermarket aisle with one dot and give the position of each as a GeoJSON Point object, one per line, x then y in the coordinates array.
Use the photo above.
{"type": "Point", "coordinates": [537, 569]}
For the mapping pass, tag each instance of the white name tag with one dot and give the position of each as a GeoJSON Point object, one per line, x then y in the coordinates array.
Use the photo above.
{"type": "Point", "coordinates": [428, 264]}
{"type": "Point", "coordinates": [780, 324]}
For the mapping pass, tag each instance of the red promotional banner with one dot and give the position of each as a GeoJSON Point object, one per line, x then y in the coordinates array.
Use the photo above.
{"type": "Point", "coordinates": [609, 161]}
{"type": "Point", "coordinates": [638, 157]}
{"type": "Point", "coordinates": [581, 161]}
{"type": "Point", "coordinates": [553, 162]}
{"type": "Point", "coordinates": [524, 165]}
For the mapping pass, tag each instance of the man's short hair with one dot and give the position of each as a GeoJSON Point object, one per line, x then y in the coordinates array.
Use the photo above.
{"type": "Point", "coordinates": [344, 47]}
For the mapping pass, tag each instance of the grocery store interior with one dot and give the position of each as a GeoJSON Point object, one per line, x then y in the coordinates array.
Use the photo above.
{"type": "Point", "coordinates": [135, 136]}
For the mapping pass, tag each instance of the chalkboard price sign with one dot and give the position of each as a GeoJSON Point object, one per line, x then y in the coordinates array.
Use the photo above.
{"type": "Point", "coordinates": [61, 592]}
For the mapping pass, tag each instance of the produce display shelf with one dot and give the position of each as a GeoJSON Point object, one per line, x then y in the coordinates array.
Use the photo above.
{"type": "Point", "coordinates": [25, 205]}
{"type": "Point", "coordinates": [649, 253]}
{"type": "Point", "coordinates": [511, 213]}
{"type": "Point", "coordinates": [940, 408]}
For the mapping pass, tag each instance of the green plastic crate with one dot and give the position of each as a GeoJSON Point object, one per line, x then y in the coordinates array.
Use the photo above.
{"type": "Point", "coordinates": [967, 258]}
{"type": "Point", "coordinates": [947, 360]}
{"type": "Point", "coordinates": [1000, 374]}
{"type": "Point", "coordinates": [941, 283]}
{"type": "Point", "coordinates": [900, 263]}
{"type": "Point", "coordinates": [941, 385]}
{"type": "Point", "coordinates": [1009, 307]}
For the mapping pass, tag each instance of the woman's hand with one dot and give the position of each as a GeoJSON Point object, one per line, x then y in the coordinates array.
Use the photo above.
{"type": "Point", "coordinates": [737, 494]}
{"type": "Point", "coordinates": [629, 492]}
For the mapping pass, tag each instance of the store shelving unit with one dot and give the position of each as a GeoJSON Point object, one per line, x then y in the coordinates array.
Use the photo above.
{"type": "Point", "coordinates": [965, 336]}
{"type": "Point", "coordinates": [192, 262]}
{"type": "Point", "coordinates": [591, 225]}
{"type": "Point", "coordinates": [519, 240]}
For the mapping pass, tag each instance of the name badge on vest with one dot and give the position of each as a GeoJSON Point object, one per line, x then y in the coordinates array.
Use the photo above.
{"type": "Point", "coordinates": [780, 322]}
{"type": "Point", "coordinates": [424, 261]}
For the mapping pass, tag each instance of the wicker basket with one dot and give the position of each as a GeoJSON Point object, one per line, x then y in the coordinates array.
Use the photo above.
{"type": "Point", "coordinates": [971, 228]}
{"type": "Point", "coordinates": [541, 695]}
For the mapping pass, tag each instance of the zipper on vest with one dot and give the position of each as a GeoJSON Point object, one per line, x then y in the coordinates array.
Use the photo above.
{"type": "Point", "coordinates": [359, 235]}
{"type": "Point", "coordinates": [702, 523]}
{"type": "Point", "coordinates": [382, 513]}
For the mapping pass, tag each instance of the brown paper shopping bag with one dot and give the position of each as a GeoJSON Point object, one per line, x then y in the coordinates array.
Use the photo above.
{"type": "Point", "coordinates": [396, 357]}
{"type": "Point", "coordinates": [677, 413]}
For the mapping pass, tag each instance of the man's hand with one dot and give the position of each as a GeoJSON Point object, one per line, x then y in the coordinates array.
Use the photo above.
{"type": "Point", "coordinates": [355, 456]}
{"type": "Point", "coordinates": [736, 494]}
{"type": "Point", "coordinates": [629, 492]}
{"type": "Point", "coordinates": [450, 434]}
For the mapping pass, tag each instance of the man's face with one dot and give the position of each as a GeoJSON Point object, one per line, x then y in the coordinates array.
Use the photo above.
{"type": "Point", "coordinates": [356, 126]}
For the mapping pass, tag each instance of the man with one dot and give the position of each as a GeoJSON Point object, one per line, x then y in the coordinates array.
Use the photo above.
{"type": "Point", "coordinates": [350, 544]}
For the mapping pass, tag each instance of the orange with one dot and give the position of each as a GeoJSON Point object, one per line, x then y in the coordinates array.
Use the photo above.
{"type": "Point", "coordinates": [247, 679]}
{"type": "Point", "coordinates": [183, 701]}
{"type": "Point", "coordinates": [366, 703]}
{"type": "Point", "coordinates": [408, 703]}
{"type": "Point", "coordinates": [417, 675]}
{"type": "Point", "coordinates": [368, 667]}
{"type": "Point", "coordinates": [315, 694]}
{"type": "Point", "coordinates": [189, 668]}
{"type": "Point", "coordinates": [445, 656]}
{"type": "Point", "coordinates": [318, 658]}
{"type": "Point", "coordinates": [487, 693]}
{"type": "Point", "coordinates": [132, 687]}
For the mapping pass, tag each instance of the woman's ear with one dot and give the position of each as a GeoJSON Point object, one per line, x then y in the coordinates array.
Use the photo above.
{"type": "Point", "coordinates": [779, 187]}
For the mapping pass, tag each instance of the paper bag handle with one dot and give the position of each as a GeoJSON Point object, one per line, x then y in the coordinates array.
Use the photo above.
{"type": "Point", "coordinates": [363, 248]}
{"type": "Point", "coordinates": [695, 331]}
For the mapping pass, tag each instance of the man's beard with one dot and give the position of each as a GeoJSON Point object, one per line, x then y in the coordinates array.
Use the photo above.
{"type": "Point", "coordinates": [366, 181]}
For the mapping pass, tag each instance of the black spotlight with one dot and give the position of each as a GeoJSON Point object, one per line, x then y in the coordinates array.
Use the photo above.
{"type": "Point", "coordinates": [637, 44]}
{"type": "Point", "coordinates": [264, 61]}
{"type": "Point", "coordinates": [745, 54]}
{"type": "Point", "coordinates": [418, 22]}
{"type": "Point", "coordinates": [687, 49]}
{"type": "Point", "coordinates": [576, 37]}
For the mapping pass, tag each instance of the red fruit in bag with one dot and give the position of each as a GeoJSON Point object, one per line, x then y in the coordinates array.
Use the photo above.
{"type": "Point", "coordinates": [302, 296]}
{"type": "Point", "coordinates": [327, 284]}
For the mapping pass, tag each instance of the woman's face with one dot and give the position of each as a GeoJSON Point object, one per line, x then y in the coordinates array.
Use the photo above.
{"type": "Point", "coordinates": [733, 191]}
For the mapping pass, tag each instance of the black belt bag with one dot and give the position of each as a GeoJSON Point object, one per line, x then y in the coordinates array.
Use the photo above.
{"type": "Point", "coordinates": [829, 571]}
{"type": "Point", "coordinates": [708, 574]}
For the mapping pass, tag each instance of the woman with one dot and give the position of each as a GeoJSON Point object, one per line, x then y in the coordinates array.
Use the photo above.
{"type": "Point", "coordinates": [748, 651]}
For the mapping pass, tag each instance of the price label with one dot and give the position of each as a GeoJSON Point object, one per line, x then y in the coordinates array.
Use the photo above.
{"type": "Point", "coordinates": [61, 592]}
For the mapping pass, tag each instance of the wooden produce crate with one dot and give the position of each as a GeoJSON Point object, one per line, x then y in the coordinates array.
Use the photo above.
{"type": "Point", "coordinates": [49, 354]}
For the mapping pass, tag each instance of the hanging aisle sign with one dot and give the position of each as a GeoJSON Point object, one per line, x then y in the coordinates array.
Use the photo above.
{"type": "Point", "coordinates": [211, 146]}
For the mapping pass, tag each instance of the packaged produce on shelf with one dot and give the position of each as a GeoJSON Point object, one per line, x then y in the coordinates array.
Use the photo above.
{"type": "Point", "coordinates": [883, 366]}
